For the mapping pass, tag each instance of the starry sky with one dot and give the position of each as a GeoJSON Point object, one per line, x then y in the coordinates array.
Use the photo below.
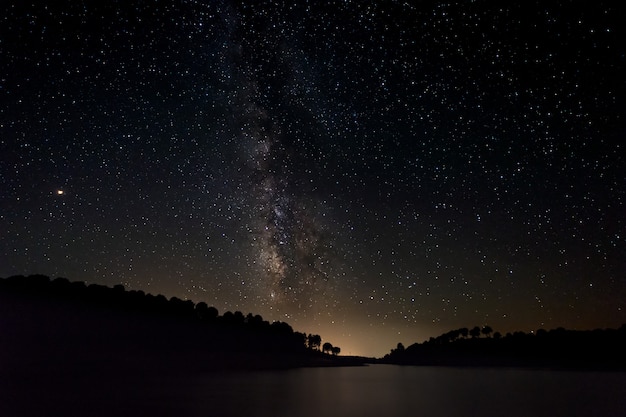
{"type": "Point", "coordinates": [371, 171]}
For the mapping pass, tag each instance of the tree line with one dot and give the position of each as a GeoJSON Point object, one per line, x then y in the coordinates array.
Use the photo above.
{"type": "Point", "coordinates": [481, 346]}
{"type": "Point", "coordinates": [112, 320]}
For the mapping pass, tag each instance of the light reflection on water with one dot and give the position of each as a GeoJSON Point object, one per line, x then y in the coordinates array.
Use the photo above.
{"type": "Point", "coordinates": [378, 390]}
{"type": "Point", "coordinates": [384, 390]}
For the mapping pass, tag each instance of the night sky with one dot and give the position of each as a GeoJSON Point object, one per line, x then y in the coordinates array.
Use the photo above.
{"type": "Point", "coordinates": [371, 171]}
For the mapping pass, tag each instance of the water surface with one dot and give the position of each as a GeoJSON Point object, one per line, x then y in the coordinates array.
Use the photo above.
{"type": "Point", "coordinates": [378, 390]}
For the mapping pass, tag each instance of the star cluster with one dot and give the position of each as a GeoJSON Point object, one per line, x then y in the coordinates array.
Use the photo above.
{"type": "Point", "coordinates": [372, 171]}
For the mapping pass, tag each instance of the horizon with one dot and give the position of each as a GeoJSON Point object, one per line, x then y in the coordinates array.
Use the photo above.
{"type": "Point", "coordinates": [372, 172]}
{"type": "Point", "coordinates": [346, 351]}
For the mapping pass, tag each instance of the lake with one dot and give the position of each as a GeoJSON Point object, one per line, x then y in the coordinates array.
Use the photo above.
{"type": "Point", "coordinates": [376, 390]}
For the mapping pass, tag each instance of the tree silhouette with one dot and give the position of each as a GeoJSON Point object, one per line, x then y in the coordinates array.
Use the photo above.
{"type": "Point", "coordinates": [202, 310]}
{"type": "Point", "coordinates": [282, 328]}
{"type": "Point", "coordinates": [300, 338]}
{"type": "Point", "coordinates": [235, 319]}
{"type": "Point", "coordinates": [327, 348]}
{"type": "Point", "coordinates": [487, 331]}
{"type": "Point", "coordinates": [475, 332]}
{"type": "Point", "coordinates": [336, 350]}
{"type": "Point", "coordinates": [314, 341]}
{"type": "Point", "coordinates": [454, 335]}
{"type": "Point", "coordinates": [256, 321]}
{"type": "Point", "coordinates": [181, 308]}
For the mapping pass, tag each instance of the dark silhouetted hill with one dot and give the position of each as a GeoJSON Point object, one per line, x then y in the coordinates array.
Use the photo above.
{"type": "Point", "coordinates": [559, 348]}
{"type": "Point", "coordinates": [75, 327]}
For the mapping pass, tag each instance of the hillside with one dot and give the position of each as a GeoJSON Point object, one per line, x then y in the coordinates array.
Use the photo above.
{"type": "Point", "coordinates": [58, 324]}
{"type": "Point", "coordinates": [558, 348]}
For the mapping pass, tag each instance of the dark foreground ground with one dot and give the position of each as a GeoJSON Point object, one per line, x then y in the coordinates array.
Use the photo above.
{"type": "Point", "coordinates": [92, 355]}
{"type": "Point", "coordinates": [68, 349]}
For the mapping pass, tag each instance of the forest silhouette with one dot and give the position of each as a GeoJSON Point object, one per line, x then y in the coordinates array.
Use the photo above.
{"type": "Point", "coordinates": [62, 324]}
{"type": "Point", "coordinates": [558, 348]}
{"type": "Point", "coordinates": [76, 327]}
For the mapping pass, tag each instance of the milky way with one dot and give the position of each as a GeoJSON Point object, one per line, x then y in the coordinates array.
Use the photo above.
{"type": "Point", "coordinates": [287, 235]}
{"type": "Point", "coordinates": [371, 171]}
{"type": "Point", "coordinates": [290, 240]}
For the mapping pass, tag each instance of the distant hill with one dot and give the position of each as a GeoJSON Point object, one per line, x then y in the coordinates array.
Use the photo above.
{"type": "Point", "coordinates": [76, 327]}
{"type": "Point", "coordinates": [602, 349]}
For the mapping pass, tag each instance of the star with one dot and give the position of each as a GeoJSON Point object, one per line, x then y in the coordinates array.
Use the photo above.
{"type": "Point", "coordinates": [404, 171]}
